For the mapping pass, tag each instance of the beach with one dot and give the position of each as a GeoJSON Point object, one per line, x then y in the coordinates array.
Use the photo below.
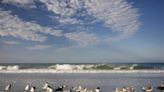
{"type": "Point", "coordinates": [106, 81]}
{"type": "Point", "coordinates": [19, 75]}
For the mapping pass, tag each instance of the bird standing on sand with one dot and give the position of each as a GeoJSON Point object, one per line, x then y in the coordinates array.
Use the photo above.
{"type": "Point", "coordinates": [148, 88]}
{"type": "Point", "coordinates": [81, 89]}
{"type": "Point", "coordinates": [32, 89]}
{"type": "Point", "coordinates": [8, 87]}
{"type": "Point", "coordinates": [49, 89]}
{"type": "Point", "coordinates": [120, 89]}
{"type": "Point", "coordinates": [161, 87]}
{"type": "Point", "coordinates": [27, 87]}
{"type": "Point", "coordinates": [45, 86]}
{"type": "Point", "coordinates": [78, 88]}
{"type": "Point", "coordinates": [129, 89]}
{"type": "Point", "coordinates": [60, 89]}
{"type": "Point", "coordinates": [97, 89]}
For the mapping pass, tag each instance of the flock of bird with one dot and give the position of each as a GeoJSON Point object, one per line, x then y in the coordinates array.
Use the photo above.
{"type": "Point", "coordinates": [47, 88]}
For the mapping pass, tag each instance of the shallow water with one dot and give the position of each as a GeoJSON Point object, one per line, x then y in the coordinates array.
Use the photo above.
{"type": "Point", "coordinates": [107, 82]}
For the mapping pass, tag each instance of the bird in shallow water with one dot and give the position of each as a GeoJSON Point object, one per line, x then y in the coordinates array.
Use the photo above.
{"type": "Point", "coordinates": [8, 87]}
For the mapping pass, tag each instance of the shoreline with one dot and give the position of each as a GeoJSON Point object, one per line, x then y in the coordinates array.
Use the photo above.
{"type": "Point", "coordinates": [82, 71]}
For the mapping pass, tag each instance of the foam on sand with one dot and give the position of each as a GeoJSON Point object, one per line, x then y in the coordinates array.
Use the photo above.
{"type": "Point", "coordinates": [79, 71]}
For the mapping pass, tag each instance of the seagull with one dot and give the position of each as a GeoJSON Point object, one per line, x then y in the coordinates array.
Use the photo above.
{"type": "Point", "coordinates": [27, 87]}
{"type": "Point", "coordinates": [78, 88]}
{"type": "Point", "coordinates": [161, 87]}
{"type": "Point", "coordinates": [120, 89]}
{"type": "Point", "coordinates": [129, 89]}
{"type": "Point", "coordinates": [81, 89]}
{"type": "Point", "coordinates": [91, 90]}
{"type": "Point", "coordinates": [49, 89]}
{"type": "Point", "coordinates": [45, 86]}
{"type": "Point", "coordinates": [32, 89]}
{"type": "Point", "coordinates": [148, 88]}
{"type": "Point", "coordinates": [8, 87]}
{"type": "Point", "coordinates": [97, 89]}
{"type": "Point", "coordinates": [60, 88]}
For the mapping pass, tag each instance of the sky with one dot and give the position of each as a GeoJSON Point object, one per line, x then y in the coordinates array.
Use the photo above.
{"type": "Point", "coordinates": [81, 31]}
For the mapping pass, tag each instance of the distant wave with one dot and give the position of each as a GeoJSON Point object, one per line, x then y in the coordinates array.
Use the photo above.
{"type": "Point", "coordinates": [79, 67]}
{"type": "Point", "coordinates": [9, 67]}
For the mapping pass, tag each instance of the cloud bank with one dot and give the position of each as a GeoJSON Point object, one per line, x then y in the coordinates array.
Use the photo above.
{"type": "Point", "coordinates": [117, 15]}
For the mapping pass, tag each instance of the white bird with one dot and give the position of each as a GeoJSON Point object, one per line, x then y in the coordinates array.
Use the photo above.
{"type": "Point", "coordinates": [120, 89]}
{"type": "Point", "coordinates": [27, 87]}
{"type": "Point", "coordinates": [8, 87]}
{"type": "Point", "coordinates": [97, 89]}
{"type": "Point", "coordinates": [91, 90]}
{"type": "Point", "coordinates": [129, 89]}
{"type": "Point", "coordinates": [32, 89]}
{"type": "Point", "coordinates": [45, 86]}
{"type": "Point", "coordinates": [78, 88]}
{"type": "Point", "coordinates": [148, 88]}
{"type": "Point", "coordinates": [49, 89]}
{"type": "Point", "coordinates": [81, 89]}
{"type": "Point", "coordinates": [67, 91]}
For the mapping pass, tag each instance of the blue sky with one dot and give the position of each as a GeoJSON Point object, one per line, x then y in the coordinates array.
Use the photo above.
{"type": "Point", "coordinates": [77, 31]}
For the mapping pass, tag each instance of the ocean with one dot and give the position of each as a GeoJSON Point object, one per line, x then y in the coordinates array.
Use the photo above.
{"type": "Point", "coordinates": [110, 65]}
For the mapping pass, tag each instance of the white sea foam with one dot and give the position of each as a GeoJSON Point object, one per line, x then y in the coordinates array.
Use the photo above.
{"type": "Point", "coordinates": [13, 67]}
{"type": "Point", "coordinates": [79, 71]}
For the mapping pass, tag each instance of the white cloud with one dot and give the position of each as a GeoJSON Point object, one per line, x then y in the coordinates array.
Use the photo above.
{"type": "Point", "coordinates": [23, 3]}
{"type": "Point", "coordinates": [82, 38]}
{"type": "Point", "coordinates": [118, 15]}
{"type": "Point", "coordinates": [65, 9]}
{"type": "Point", "coordinates": [13, 26]}
{"type": "Point", "coordinates": [10, 42]}
{"type": "Point", "coordinates": [39, 47]}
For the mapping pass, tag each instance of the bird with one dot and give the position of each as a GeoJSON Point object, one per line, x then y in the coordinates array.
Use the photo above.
{"type": "Point", "coordinates": [148, 88]}
{"type": "Point", "coordinates": [32, 89]}
{"type": "Point", "coordinates": [84, 89]}
{"type": "Point", "coordinates": [97, 89]}
{"type": "Point", "coordinates": [27, 87]}
{"type": "Point", "coordinates": [161, 87]}
{"type": "Point", "coordinates": [78, 88]}
{"type": "Point", "coordinates": [49, 89]}
{"type": "Point", "coordinates": [120, 89]}
{"type": "Point", "coordinates": [61, 88]}
{"type": "Point", "coordinates": [8, 87]}
{"type": "Point", "coordinates": [45, 86]}
{"type": "Point", "coordinates": [130, 89]}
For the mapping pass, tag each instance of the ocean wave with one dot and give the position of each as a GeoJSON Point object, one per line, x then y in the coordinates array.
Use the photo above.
{"type": "Point", "coordinates": [10, 67]}
{"type": "Point", "coordinates": [74, 67]}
